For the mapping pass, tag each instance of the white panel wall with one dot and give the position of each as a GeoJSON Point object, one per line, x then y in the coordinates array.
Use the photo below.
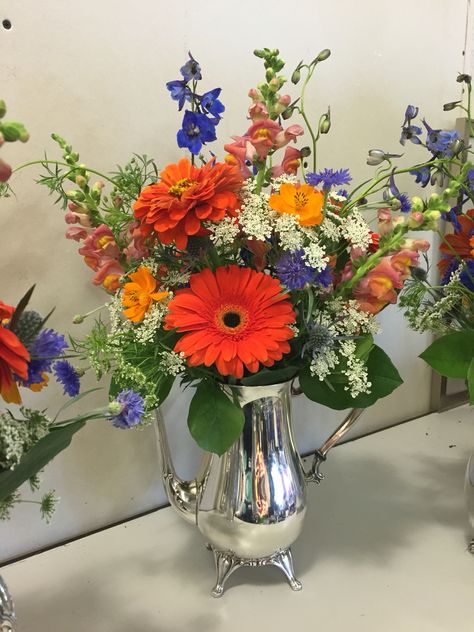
{"type": "Point", "coordinates": [95, 73]}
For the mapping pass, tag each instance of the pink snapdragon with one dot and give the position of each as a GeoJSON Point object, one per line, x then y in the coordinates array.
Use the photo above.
{"type": "Point", "coordinates": [99, 246]}
{"type": "Point", "coordinates": [290, 163]}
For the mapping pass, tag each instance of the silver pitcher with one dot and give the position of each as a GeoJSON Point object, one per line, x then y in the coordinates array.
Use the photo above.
{"type": "Point", "coordinates": [7, 610]}
{"type": "Point", "coordinates": [250, 503]}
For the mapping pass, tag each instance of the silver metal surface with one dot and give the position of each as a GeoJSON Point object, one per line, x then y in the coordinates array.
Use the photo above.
{"type": "Point", "coordinates": [227, 562]}
{"type": "Point", "coordinates": [250, 503]}
{"type": "Point", "coordinates": [314, 475]}
{"type": "Point", "coordinates": [7, 609]}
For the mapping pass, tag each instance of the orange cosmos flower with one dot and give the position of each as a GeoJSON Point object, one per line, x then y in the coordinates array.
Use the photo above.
{"type": "Point", "coordinates": [234, 318]}
{"type": "Point", "coordinates": [299, 199]}
{"type": "Point", "coordinates": [185, 197]}
{"type": "Point", "coordinates": [139, 294]}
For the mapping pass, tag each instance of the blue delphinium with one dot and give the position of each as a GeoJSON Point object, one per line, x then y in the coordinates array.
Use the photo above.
{"type": "Point", "coordinates": [422, 175]}
{"type": "Point", "coordinates": [210, 103]}
{"type": "Point", "coordinates": [439, 142]}
{"type": "Point", "coordinates": [127, 409]}
{"type": "Point", "coordinates": [394, 192]}
{"type": "Point", "coordinates": [67, 375]}
{"type": "Point", "coordinates": [196, 130]}
{"type": "Point", "coordinates": [410, 132]}
{"type": "Point", "coordinates": [452, 266]}
{"type": "Point", "coordinates": [199, 123]}
{"type": "Point", "coordinates": [179, 91]}
{"type": "Point", "coordinates": [46, 347]}
{"type": "Point", "coordinates": [452, 217]}
{"type": "Point", "coordinates": [329, 178]}
{"type": "Point", "coordinates": [470, 179]}
{"type": "Point", "coordinates": [467, 275]}
{"type": "Point", "coordinates": [191, 70]}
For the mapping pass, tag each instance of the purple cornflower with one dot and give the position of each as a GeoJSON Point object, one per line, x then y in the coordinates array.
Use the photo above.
{"type": "Point", "coordinates": [127, 409]}
{"type": "Point", "coordinates": [45, 348]}
{"type": "Point", "coordinates": [196, 130]}
{"type": "Point", "coordinates": [324, 278]}
{"type": "Point", "coordinates": [439, 142]}
{"type": "Point", "coordinates": [293, 271]}
{"type": "Point", "coordinates": [329, 178]}
{"type": "Point", "coordinates": [467, 275]}
{"type": "Point", "coordinates": [67, 375]}
{"type": "Point", "coordinates": [191, 70]}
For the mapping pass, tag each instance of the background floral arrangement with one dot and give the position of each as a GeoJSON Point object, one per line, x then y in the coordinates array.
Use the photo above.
{"type": "Point", "coordinates": [250, 271]}
{"type": "Point", "coordinates": [447, 308]}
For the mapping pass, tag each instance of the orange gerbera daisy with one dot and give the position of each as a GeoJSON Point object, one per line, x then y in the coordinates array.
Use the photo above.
{"type": "Point", "coordinates": [299, 199]}
{"type": "Point", "coordinates": [234, 318]}
{"type": "Point", "coordinates": [139, 294]}
{"type": "Point", "coordinates": [14, 360]}
{"type": "Point", "coordinates": [175, 207]}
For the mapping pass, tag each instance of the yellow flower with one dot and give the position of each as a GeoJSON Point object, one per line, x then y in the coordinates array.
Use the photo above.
{"type": "Point", "coordinates": [39, 385]}
{"type": "Point", "coordinates": [299, 199]}
{"type": "Point", "coordinates": [139, 294]}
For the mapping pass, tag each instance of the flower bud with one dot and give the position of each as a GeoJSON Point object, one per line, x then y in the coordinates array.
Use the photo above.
{"type": "Point", "coordinates": [117, 202]}
{"type": "Point", "coordinates": [98, 186]}
{"type": "Point", "coordinates": [115, 408]}
{"type": "Point", "coordinates": [259, 53]}
{"type": "Point", "coordinates": [81, 181]}
{"type": "Point", "coordinates": [447, 107]}
{"type": "Point", "coordinates": [325, 124]}
{"type": "Point", "coordinates": [417, 204]}
{"type": "Point", "coordinates": [78, 319]}
{"type": "Point", "coordinates": [415, 220]}
{"type": "Point", "coordinates": [5, 171]}
{"type": "Point", "coordinates": [296, 76]}
{"type": "Point", "coordinates": [269, 75]}
{"type": "Point", "coordinates": [463, 78]}
{"type": "Point", "coordinates": [288, 113]}
{"type": "Point", "coordinates": [77, 196]}
{"type": "Point", "coordinates": [376, 157]}
{"type": "Point", "coordinates": [13, 131]}
{"type": "Point", "coordinates": [3, 108]}
{"type": "Point", "coordinates": [323, 55]}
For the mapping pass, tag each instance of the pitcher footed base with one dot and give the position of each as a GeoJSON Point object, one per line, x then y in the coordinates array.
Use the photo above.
{"type": "Point", "coordinates": [227, 562]}
{"type": "Point", "coordinates": [470, 546]}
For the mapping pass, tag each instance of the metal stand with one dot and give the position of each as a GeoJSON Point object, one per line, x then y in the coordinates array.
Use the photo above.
{"type": "Point", "coordinates": [227, 562]}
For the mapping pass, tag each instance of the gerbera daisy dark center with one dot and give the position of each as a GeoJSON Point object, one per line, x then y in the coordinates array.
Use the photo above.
{"type": "Point", "coordinates": [231, 319]}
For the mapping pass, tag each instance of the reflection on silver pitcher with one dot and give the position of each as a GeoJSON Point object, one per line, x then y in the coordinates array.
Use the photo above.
{"type": "Point", "coordinates": [7, 610]}
{"type": "Point", "coordinates": [469, 496]}
{"type": "Point", "coordinates": [250, 502]}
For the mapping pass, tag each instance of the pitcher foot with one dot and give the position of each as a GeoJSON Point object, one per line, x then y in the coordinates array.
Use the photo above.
{"type": "Point", "coordinates": [227, 562]}
{"type": "Point", "coordinates": [470, 546]}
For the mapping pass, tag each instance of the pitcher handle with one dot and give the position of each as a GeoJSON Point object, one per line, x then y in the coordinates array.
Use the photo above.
{"type": "Point", "coordinates": [313, 474]}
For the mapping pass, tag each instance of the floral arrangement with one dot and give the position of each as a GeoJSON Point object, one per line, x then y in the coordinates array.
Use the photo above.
{"type": "Point", "coordinates": [29, 354]}
{"type": "Point", "coordinates": [447, 307]}
{"type": "Point", "coordinates": [250, 270]}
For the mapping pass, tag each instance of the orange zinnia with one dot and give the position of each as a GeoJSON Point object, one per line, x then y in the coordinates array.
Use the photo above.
{"type": "Point", "coordinates": [186, 196]}
{"type": "Point", "coordinates": [14, 360]}
{"type": "Point", "coordinates": [139, 294]}
{"type": "Point", "coordinates": [302, 200]}
{"type": "Point", "coordinates": [233, 318]}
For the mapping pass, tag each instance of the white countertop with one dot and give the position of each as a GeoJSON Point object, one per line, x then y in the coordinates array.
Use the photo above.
{"type": "Point", "coordinates": [383, 550]}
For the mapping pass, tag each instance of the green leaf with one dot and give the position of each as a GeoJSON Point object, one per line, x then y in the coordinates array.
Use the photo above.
{"type": "Point", "coordinates": [451, 355]}
{"type": "Point", "coordinates": [38, 457]}
{"type": "Point", "coordinates": [214, 421]}
{"type": "Point", "coordinates": [381, 372]}
{"type": "Point", "coordinates": [470, 382]}
{"type": "Point", "coordinates": [264, 378]}
{"type": "Point", "coordinates": [163, 387]}
{"type": "Point", "coordinates": [364, 346]}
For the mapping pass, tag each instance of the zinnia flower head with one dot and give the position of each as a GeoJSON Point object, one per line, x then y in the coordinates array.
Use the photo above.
{"type": "Point", "coordinates": [233, 318]}
{"type": "Point", "coordinates": [301, 200]}
{"type": "Point", "coordinates": [127, 408]}
{"type": "Point", "coordinates": [67, 375]}
{"type": "Point", "coordinates": [186, 196]}
{"type": "Point", "coordinates": [138, 295]}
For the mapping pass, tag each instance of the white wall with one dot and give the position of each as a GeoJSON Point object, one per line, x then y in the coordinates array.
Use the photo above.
{"type": "Point", "coordinates": [95, 73]}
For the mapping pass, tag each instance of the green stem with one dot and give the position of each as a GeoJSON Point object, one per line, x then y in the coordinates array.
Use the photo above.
{"type": "Point", "coordinates": [314, 137]}
{"type": "Point", "coordinates": [65, 164]}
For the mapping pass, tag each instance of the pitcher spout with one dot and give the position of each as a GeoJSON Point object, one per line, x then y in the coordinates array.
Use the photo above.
{"type": "Point", "coordinates": [182, 495]}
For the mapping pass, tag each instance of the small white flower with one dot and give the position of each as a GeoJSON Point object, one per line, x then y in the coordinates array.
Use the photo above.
{"type": "Point", "coordinates": [355, 229]}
